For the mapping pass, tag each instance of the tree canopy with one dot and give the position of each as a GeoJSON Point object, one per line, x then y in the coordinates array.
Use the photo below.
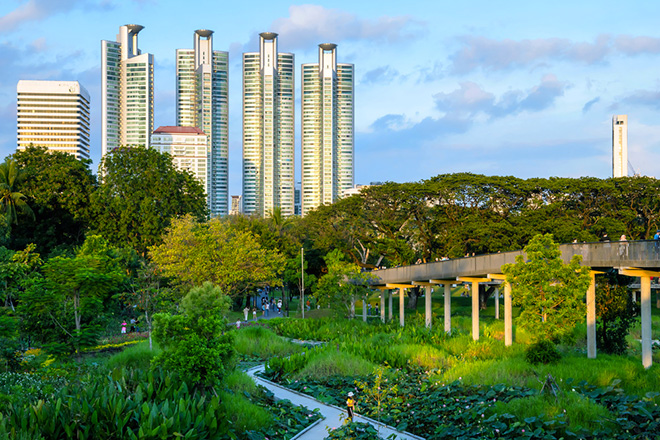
{"type": "Point", "coordinates": [141, 192]}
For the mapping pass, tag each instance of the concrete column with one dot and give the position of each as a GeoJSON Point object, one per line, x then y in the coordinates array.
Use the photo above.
{"type": "Point", "coordinates": [448, 308]}
{"type": "Point", "coordinates": [428, 308]}
{"type": "Point", "coordinates": [508, 319]}
{"type": "Point", "coordinates": [401, 307]}
{"type": "Point", "coordinates": [382, 306]}
{"type": "Point", "coordinates": [389, 299]}
{"type": "Point", "coordinates": [364, 308]}
{"type": "Point", "coordinates": [591, 318]}
{"type": "Point", "coordinates": [647, 354]}
{"type": "Point", "coordinates": [497, 303]}
{"type": "Point", "coordinates": [475, 310]}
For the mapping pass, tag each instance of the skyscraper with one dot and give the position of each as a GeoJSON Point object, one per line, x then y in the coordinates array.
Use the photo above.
{"type": "Point", "coordinates": [620, 146]}
{"type": "Point", "coordinates": [55, 115]}
{"type": "Point", "coordinates": [188, 147]}
{"type": "Point", "coordinates": [202, 102]}
{"type": "Point", "coordinates": [128, 91]}
{"type": "Point", "coordinates": [268, 129]}
{"type": "Point", "coordinates": [327, 129]}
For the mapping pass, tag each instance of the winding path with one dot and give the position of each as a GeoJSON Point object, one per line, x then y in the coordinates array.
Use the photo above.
{"type": "Point", "coordinates": [331, 413]}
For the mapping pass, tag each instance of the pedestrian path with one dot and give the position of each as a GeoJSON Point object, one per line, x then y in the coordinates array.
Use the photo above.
{"type": "Point", "coordinates": [330, 413]}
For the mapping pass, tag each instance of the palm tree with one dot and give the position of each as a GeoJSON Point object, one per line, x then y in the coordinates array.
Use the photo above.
{"type": "Point", "coordinates": [11, 200]}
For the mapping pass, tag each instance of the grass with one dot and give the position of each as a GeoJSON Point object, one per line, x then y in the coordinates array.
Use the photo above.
{"type": "Point", "coordinates": [335, 363]}
{"type": "Point", "coordinates": [577, 410]}
{"type": "Point", "coordinates": [137, 356]}
{"type": "Point", "coordinates": [262, 343]}
{"type": "Point", "coordinates": [243, 414]}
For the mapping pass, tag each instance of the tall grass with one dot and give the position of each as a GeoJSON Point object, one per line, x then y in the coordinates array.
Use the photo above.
{"type": "Point", "coordinates": [137, 356]}
{"type": "Point", "coordinates": [335, 363]}
{"type": "Point", "coordinates": [576, 410]}
{"type": "Point", "coordinates": [263, 343]}
{"type": "Point", "coordinates": [243, 414]}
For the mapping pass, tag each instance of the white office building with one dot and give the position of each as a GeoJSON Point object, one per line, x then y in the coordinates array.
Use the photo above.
{"type": "Point", "coordinates": [55, 115]}
{"type": "Point", "coordinates": [268, 129]}
{"type": "Point", "coordinates": [188, 147]}
{"type": "Point", "coordinates": [620, 146]}
{"type": "Point", "coordinates": [327, 129]}
{"type": "Point", "coordinates": [202, 102]}
{"type": "Point", "coordinates": [128, 91]}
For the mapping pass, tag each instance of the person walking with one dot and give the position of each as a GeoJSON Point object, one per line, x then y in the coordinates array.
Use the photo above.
{"type": "Point", "coordinates": [350, 406]}
{"type": "Point", "coordinates": [267, 308]}
{"type": "Point", "coordinates": [123, 327]}
{"type": "Point", "coordinates": [246, 310]}
{"type": "Point", "coordinates": [254, 313]}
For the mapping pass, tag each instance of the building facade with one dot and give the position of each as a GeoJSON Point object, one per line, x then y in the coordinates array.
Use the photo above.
{"type": "Point", "coordinates": [202, 102]}
{"type": "Point", "coordinates": [620, 146]}
{"type": "Point", "coordinates": [55, 115]}
{"type": "Point", "coordinates": [188, 147]}
{"type": "Point", "coordinates": [268, 129]}
{"type": "Point", "coordinates": [128, 91]}
{"type": "Point", "coordinates": [327, 129]}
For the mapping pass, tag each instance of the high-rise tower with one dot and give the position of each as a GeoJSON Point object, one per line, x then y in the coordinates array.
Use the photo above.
{"type": "Point", "coordinates": [268, 129]}
{"type": "Point", "coordinates": [619, 145]}
{"type": "Point", "coordinates": [128, 91]}
{"type": "Point", "coordinates": [55, 115]}
{"type": "Point", "coordinates": [202, 102]}
{"type": "Point", "coordinates": [327, 129]}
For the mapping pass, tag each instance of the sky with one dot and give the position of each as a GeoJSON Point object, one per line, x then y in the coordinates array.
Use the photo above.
{"type": "Point", "coordinates": [519, 88]}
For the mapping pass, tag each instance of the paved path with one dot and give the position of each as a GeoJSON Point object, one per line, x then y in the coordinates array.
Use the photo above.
{"type": "Point", "coordinates": [331, 413]}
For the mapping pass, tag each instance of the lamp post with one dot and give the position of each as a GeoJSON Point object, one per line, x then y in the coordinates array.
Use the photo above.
{"type": "Point", "coordinates": [302, 281]}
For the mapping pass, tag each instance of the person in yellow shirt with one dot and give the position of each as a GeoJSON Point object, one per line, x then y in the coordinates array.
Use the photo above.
{"type": "Point", "coordinates": [350, 405]}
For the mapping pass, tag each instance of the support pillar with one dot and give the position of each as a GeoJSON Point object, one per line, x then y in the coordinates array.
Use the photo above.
{"type": "Point", "coordinates": [475, 310]}
{"type": "Point", "coordinates": [401, 307]}
{"type": "Point", "coordinates": [647, 352]}
{"type": "Point", "coordinates": [389, 299]}
{"type": "Point", "coordinates": [364, 308]}
{"type": "Point", "coordinates": [448, 308]}
{"type": "Point", "coordinates": [497, 303]}
{"type": "Point", "coordinates": [382, 306]}
{"type": "Point", "coordinates": [428, 306]}
{"type": "Point", "coordinates": [591, 318]}
{"type": "Point", "coordinates": [508, 319]}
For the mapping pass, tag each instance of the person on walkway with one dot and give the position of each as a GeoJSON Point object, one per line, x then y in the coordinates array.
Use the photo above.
{"type": "Point", "coordinates": [246, 310]}
{"type": "Point", "coordinates": [123, 327]}
{"type": "Point", "coordinates": [267, 308]}
{"type": "Point", "coordinates": [350, 406]}
{"type": "Point", "coordinates": [238, 324]}
{"type": "Point", "coordinates": [254, 313]}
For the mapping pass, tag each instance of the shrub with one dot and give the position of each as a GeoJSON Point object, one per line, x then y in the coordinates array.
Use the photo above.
{"type": "Point", "coordinates": [263, 343]}
{"type": "Point", "coordinates": [542, 352]}
{"type": "Point", "coordinates": [137, 357]}
{"type": "Point", "coordinates": [616, 314]}
{"type": "Point", "coordinates": [354, 431]}
{"type": "Point", "coordinates": [335, 363]}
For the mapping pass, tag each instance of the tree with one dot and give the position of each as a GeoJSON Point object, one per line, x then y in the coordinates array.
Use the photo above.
{"type": "Point", "coordinates": [58, 187]}
{"type": "Point", "coordinates": [195, 343]}
{"type": "Point", "coordinates": [141, 192]}
{"type": "Point", "coordinates": [550, 293]}
{"type": "Point", "coordinates": [71, 296]}
{"type": "Point", "coordinates": [342, 285]}
{"type": "Point", "coordinates": [11, 200]}
{"type": "Point", "coordinates": [14, 268]}
{"type": "Point", "coordinates": [231, 258]}
{"type": "Point", "coordinates": [616, 313]}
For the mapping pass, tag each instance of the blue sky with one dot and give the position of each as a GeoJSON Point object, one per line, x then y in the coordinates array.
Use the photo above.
{"type": "Point", "coordinates": [517, 88]}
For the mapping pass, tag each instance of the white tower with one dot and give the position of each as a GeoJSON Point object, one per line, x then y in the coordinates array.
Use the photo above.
{"type": "Point", "coordinates": [128, 91]}
{"type": "Point", "coordinates": [55, 115]}
{"type": "Point", "coordinates": [327, 129]}
{"type": "Point", "coordinates": [268, 129]}
{"type": "Point", "coordinates": [619, 145]}
{"type": "Point", "coordinates": [202, 102]}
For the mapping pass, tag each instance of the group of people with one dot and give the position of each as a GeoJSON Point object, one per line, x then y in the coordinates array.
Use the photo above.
{"type": "Point", "coordinates": [266, 306]}
{"type": "Point", "coordinates": [134, 326]}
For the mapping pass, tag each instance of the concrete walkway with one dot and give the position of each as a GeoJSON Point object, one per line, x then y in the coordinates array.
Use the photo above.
{"type": "Point", "coordinates": [331, 413]}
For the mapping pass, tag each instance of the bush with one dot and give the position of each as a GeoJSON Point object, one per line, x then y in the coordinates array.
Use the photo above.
{"type": "Point", "coordinates": [137, 357]}
{"type": "Point", "coordinates": [616, 314]}
{"type": "Point", "coordinates": [354, 431]}
{"type": "Point", "coordinates": [542, 352]}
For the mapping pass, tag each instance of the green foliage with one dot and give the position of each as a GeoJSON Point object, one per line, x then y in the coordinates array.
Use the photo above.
{"type": "Point", "coordinates": [549, 292]}
{"type": "Point", "coordinates": [194, 343]}
{"type": "Point", "coordinates": [616, 314]}
{"type": "Point", "coordinates": [141, 192]}
{"type": "Point", "coordinates": [342, 285]}
{"type": "Point", "coordinates": [135, 357]}
{"type": "Point", "coordinates": [542, 351]}
{"type": "Point", "coordinates": [262, 343]}
{"type": "Point", "coordinates": [58, 188]}
{"type": "Point", "coordinates": [12, 202]}
{"type": "Point", "coordinates": [215, 251]}
{"type": "Point", "coordinates": [354, 431]}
